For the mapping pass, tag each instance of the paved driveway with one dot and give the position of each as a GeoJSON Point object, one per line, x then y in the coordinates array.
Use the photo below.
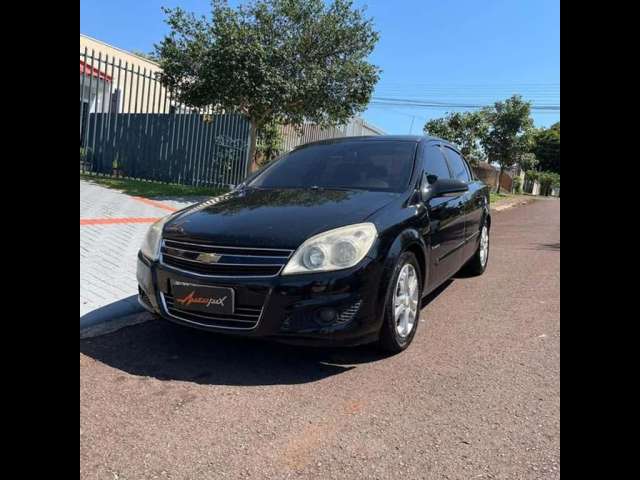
{"type": "Point", "coordinates": [475, 397]}
{"type": "Point", "coordinates": [112, 227]}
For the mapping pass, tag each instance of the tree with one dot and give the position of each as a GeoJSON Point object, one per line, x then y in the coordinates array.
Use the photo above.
{"type": "Point", "coordinates": [282, 61]}
{"type": "Point", "coordinates": [546, 146]}
{"type": "Point", "coordinates": [527, 161]}
{"type": "Point", "coordinates": [509, 136]}
{"type": "Point", "coordinates": [269, 144]}
{"type": "Point", "coordinates": [548, 180]}
{"type": "Point", "coordinates": [465, 130]}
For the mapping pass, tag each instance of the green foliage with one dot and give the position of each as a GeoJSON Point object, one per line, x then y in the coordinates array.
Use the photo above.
{"type": "Point", "coordinates": [86, 154]}
{"type": "Point", "coordinates": [151, 189]}
{"type": "Point", "coordinates": [274, 60]}
{"type": "Point", "coordinates": [546, 146]}
{"type": "Point", "coordinates": [509, 135]}
{"type": "Point", "coordinates": [517, 185]}
{"type": "Point", "coordinates": [502, 133]}
{"type": "Point", "coordinates": [270, 143]}
{"type": "Point", "coordinates": [116, 164]}
{"type": "Point", "coordinates": [494, 197]}
{"type": "Point", "coordinates": [466, 130]}
{"type": "Point", "coordinates": [548, 180]}
{"type": "Point", "coordinates": [527, 161]}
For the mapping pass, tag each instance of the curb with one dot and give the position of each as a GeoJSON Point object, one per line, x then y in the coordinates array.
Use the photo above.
{"type": "Point", "coordinates": [115, 324]}
{"type": "Point", "coordinates": [112, 317]}
{"type": "Point", "coordinates": [499, 207]}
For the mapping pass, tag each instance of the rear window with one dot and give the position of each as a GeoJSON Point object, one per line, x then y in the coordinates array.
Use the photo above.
{"type": "Point", "coordinates": [371, 165]}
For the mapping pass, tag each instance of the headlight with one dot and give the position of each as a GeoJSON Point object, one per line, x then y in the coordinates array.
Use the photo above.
{"type": "Point", "coordinates": [336, 249]}
{"type": "Point", "coordinates": [151, 245]}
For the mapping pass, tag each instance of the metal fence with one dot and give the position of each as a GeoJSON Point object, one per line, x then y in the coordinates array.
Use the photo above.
{"type": "Point", "coordinates": [132, 126]}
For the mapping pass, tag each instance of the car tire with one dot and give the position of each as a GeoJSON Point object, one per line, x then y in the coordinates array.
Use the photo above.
{"type": "Point", "coordinates": [392, 338]}
{"type": "Point", "coordinates": [478, 263]}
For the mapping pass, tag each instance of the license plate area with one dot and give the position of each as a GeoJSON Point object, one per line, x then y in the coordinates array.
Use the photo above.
{"type": "Point", "coordinates": [203, 298]}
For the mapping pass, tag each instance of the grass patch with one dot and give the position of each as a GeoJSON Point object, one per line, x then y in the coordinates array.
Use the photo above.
{"type": "Point", "coordinates": [152, 189]}
{"type": "Point", "coordinates": [494, 197]}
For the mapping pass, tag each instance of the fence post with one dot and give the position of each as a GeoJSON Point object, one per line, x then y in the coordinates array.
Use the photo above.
{"type": "Point", "coordinates": [247, 165]}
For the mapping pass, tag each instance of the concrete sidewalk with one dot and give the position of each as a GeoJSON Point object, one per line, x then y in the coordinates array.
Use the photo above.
{"type": "Point", "coordinates": [108, 251]}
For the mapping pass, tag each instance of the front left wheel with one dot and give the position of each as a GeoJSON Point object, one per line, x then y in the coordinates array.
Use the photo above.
{"type": "Point", "coordinates": [402, 306]}
{"type": "Point", "coordinates": [478, 263]}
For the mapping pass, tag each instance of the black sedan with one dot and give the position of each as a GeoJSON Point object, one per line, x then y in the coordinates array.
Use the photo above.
{"type": "Point", "coordinates": [334, 243]}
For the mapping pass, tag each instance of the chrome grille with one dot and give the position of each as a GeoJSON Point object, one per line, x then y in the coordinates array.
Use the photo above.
{"type": "Point", "coordinates": [243, 318]}
{"type": "Point", "coordinates": [223, 261]}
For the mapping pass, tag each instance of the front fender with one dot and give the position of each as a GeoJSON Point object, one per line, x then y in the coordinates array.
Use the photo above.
{"type": "Point", "coordinates": [408, 239]}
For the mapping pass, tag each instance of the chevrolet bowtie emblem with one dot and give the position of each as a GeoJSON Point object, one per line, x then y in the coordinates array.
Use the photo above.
{"type": "Point", "coordinates": [209, 257]}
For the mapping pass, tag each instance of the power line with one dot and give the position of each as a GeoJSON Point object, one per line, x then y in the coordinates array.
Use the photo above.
{"type": "Point", "coordinates": [371, 105]}
{"type": "Point", "coordinates": [540, 94]}
{"type": "Point", "coordinates": [470, 85]}
{"type": "Point", "coordinates": [425, 103]}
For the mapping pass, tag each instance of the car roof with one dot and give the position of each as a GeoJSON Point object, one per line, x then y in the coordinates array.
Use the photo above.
{"type": "Point", "coordinates": [375, 138]}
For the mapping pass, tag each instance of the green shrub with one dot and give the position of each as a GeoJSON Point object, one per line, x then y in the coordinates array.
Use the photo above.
{"type": "Point", "coordinates": [85, 154]}
{"type": "Point", "coordinates": [517, 185]}
{"type": "Point", "coordinates": [548, 180]}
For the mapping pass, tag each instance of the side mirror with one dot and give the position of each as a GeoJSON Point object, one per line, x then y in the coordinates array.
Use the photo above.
{"type": "Point", "coordinates": [433, 187]}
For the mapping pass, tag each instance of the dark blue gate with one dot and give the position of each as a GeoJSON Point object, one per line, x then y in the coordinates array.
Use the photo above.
{"type": "Point", "coordinates": [131, 126]}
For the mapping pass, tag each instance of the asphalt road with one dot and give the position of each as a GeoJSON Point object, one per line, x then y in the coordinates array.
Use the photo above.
{"type": "Point", "coordinates": [477, 395]}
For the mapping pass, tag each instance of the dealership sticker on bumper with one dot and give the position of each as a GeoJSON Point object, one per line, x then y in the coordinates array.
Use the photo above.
{"type": "Point", "coordinates": [202, 298]}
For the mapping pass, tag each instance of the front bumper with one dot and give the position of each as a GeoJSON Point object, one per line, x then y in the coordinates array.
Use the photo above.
{"type": "Point", "coordinates": [331, 308]}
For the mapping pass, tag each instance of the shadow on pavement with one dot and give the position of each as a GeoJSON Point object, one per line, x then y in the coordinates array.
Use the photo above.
{"type": "Point", "coordinates": [166, 351]}
{"type": "Point", "coordinates": [120, 308]}
{"type": "Point", "coordinates": [433, 295]}
{"type": "Point", "coordinates": [548, 246]}
{"type": "Point", "coordinates": [163, 350]}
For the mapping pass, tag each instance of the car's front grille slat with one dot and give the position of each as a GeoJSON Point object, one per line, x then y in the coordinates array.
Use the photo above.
{"type": "Point", "coordinates": [221, 263]}
{"type": "Point", "coordinates": [215, 260]}
{"type": "Point", "coordinates": [244, 317]}
{"type": "Point", "coordinates": [233, 253]}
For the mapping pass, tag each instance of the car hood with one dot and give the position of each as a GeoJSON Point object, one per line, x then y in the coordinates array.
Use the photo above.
{"type": "Point", "coordinates": [273, 218]}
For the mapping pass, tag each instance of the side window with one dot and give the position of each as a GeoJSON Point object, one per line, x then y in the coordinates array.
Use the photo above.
{"type": "Point", "coordinates": [458, 166]}
{"type": "Point", "coordinates": [435, 163]}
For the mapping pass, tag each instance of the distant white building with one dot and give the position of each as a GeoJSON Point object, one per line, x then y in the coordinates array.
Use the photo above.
{"type": "Point", "coordinates": [311, 133]}
{"type": "Point", "coordinates": [95, 88]}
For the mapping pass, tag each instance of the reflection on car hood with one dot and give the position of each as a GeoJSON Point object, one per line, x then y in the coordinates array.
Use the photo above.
{"type": "Point", "coordinates": [274, 218]}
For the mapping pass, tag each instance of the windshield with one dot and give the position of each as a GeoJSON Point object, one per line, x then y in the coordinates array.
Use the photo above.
{"type": "Point", "coordinates": [373, 165]}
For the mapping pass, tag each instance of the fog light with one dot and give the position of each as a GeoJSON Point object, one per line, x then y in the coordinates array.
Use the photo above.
{"type": "Point", "coordinates": [327, 316]}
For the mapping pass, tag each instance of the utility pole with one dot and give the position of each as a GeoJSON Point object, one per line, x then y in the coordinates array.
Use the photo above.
{"type": "Point", "coordinates": [411, 127]}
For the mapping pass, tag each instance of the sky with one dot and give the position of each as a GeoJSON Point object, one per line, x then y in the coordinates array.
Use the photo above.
{"type": "Point", "coordinates": [461, 52]}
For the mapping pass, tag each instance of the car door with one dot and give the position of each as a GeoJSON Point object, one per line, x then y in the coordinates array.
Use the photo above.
{"type": "Point", "coordinates": [446, 215]}
{"type": "Point", "coordinates": [473, 201]}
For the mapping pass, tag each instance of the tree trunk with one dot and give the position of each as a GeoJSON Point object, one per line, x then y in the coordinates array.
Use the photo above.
{"type": "Point", "coordinates": [499, 180]}
{"type": "Point", "coordinates": [253, 139]}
